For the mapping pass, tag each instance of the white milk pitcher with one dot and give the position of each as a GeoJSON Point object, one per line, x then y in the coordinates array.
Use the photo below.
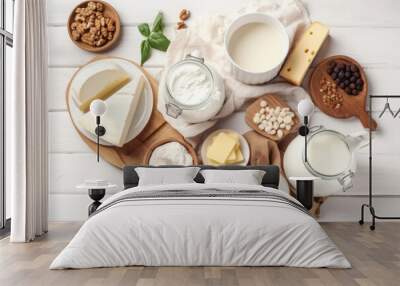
{"type": "Point", "coordinates": [330, 156]}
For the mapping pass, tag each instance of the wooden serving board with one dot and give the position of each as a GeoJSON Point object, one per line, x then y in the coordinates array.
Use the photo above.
{"type": "Point", "coordinates": [134, 152]}
{"type": "Point", "coordinates": [352, 105]}
{"type": "Point", "coordinates": [273, 101]}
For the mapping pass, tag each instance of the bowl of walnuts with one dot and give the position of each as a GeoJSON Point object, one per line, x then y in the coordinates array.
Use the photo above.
{"type": "Point", "coordinates": [94, 26]}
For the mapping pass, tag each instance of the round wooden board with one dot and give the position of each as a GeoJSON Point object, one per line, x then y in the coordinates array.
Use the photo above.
{"type": "Point", "coordinates": [273, 101]}
{"type": "Point", "coordinates": [133, 152]}
{"type": "Point", "coordinates": [110, 12]}
{"type": "Point", "coordinates": [352, 105]}
{"type": "Point", "coordinates": [188, 147]}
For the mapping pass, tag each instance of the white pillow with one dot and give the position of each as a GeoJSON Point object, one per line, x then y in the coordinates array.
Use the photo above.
{"type": "Point", "coordinates": [164, 176]}
{"type": "Point", "coordinates": [246, 177]}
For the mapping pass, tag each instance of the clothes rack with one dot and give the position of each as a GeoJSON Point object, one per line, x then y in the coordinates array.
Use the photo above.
{"type": "Point", "coordinates": [370, 195]}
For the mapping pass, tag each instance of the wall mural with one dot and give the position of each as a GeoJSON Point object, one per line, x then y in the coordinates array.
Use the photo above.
{"type": "Point", "coordinates": [130, 118]}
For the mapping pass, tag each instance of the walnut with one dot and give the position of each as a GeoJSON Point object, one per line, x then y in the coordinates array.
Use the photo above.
{"type": "Point", "coordinates": [102, 21]}
{"type": "Point", "coordinates": [80, 28]}
{"type": "Point", "coordinates": [111, 27]}
{"type": "Point", "coordinates": [91, 6]}
{"type": "Point", "coordinates": [93, 30]}
{"type": "Point", "coordinates": [79, 17]}
{"type": "Point", "coordinates": [76, 35]}
{"type": "Point", "coordinates": [88, 38]}
{"type": "Point", "coordinates": [184, 15]}
{"type": "Point", "coordinates": [99, 7]}
{"type": "Point", "coordinates": [100, 42]}
{"type": "Point", "coordinates": [110, 36]}
{"type": "Point", "coordinates": [74, 25]}
{"type": "Point", "coordinates": [104, 32]}
{"type": "Point", "coordinates": [180, 25]}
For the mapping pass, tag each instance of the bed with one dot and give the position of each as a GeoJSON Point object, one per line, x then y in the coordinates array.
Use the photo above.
{"type": "Point", "coordinates": [201, 224]}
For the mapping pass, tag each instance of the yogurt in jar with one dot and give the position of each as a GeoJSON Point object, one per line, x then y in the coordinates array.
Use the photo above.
{"type": "Point", "coordinates": [194, 90]}
{"type": "Point", "coordinates": [190, 84]}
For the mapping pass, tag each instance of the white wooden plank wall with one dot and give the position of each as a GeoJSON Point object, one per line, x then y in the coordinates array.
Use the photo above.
{"type": "Point", "coordinates": [367, 30]}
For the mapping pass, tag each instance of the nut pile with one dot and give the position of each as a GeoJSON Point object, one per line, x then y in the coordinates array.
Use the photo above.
{"type": "Point", "coordinates": [330, 95]}
{"type": "Point", "coordinates": [346, 76]}
{"type": "Point", "coordinates": [274, 120]}
{"type": "Point", "coordinates": [91, 27]}
{"type": "Point", "coordinates": [183, 16]}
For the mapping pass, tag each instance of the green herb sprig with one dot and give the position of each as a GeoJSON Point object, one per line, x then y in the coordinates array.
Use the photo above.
{"type": "Point", "coordinates": [154, 38]}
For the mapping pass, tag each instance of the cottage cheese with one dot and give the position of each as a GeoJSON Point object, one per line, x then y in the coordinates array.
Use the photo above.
{"type": "Point", "coordinates": [172, 153]}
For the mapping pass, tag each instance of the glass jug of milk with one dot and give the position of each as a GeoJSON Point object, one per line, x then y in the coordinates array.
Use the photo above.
{"type": "Point", "coordinates": [330, 155]}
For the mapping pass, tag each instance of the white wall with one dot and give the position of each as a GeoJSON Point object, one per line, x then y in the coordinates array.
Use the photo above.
{"type": "Point", "coordinates": [367, 30]}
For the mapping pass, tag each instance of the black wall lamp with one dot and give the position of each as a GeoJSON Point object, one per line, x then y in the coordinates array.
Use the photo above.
{"type": "Point", "coordinates": [305, 109]}
{"type": "Point", "coordinates": [98, 108]}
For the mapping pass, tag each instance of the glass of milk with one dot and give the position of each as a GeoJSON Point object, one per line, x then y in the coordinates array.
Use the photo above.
{"type": "Point", "coordinates": [256, 45]}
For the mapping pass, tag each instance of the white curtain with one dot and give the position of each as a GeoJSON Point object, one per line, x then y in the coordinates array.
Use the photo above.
{"type": "Point", "coordinates": [27, 123]}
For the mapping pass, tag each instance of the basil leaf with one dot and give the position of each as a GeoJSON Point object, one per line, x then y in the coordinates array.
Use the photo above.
{"type": "Point", "coordinates": [158, 24]}
{"type": "Point", "coordinates": [145, 51]}
{"type": "Point", "coordinates": [144, 29]}
{"type": "Point", "coordinates": [158, 41]}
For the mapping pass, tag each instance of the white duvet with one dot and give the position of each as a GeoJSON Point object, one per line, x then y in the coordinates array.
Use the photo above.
{"type": "Point", "coordinates": [200, 231]}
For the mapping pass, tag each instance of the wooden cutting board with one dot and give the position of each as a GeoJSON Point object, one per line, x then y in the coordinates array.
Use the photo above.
{"type": "Point", "coordinates": [273, 101]}
{"type": "Point", "coordinates": [134, 152]}
{"type": "Point", "coordinates": [352, 105]}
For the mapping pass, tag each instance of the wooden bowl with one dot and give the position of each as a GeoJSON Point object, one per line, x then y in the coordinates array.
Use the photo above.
{"type": "Point", "coordinates": [188, 147]}
{"type": "Point", "coordinates": [353, 105]}
{"type": "Point", "coordinates": [110, 12]}
{"type": "Point", "coordinates": [273, 101]}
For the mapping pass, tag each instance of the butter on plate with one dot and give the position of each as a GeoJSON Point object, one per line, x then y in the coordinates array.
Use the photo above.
{"type": "Point", "coordinates": [225, 149]}
{"type": "Point", "coordinates": [117, 120]}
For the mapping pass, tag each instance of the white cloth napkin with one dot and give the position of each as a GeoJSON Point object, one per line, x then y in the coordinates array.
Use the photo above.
{"type": "Point", "coordinates": [206, 35]}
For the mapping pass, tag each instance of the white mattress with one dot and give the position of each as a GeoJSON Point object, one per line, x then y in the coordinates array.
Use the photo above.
{"type": "Point", "coordinates": [202, 231]}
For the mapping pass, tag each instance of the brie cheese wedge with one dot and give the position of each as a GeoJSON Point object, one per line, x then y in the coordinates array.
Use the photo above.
{"type": "Point", "coordinates": [117, 120]}
{"type": "Point", "coordinates": [98, 82]}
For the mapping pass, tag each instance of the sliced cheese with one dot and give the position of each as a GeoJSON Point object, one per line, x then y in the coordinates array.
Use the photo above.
{"type": "Point", "coordinates": [220, 149]}
{"type": "Point", "coordinates": [303, 53]}
{"type": "Point", "coordinates": [98, 82]}
{"type": "Point", "coordinates": [117, 120]}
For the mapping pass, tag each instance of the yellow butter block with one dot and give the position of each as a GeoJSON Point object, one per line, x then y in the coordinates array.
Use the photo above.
{"type": "Point", "coordinates": [303, 53]}
{"type": "Point", "coordinates": [233, 155]}
{"type": "Point", "coordinates": [238, 156]}
{"type": "Point", "coordinates": [221, 148]}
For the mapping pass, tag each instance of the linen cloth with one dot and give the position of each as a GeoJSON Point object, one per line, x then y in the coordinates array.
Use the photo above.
{"type": "Point", "coordinates": [206, 35]}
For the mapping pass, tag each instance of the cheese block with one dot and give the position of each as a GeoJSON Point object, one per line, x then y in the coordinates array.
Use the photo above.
{"type": "Point", "coordinates": [98, 82]}
{"type": "Point", "coordinates": [221, 147]}
{"type": "Point", "coordinates": [117, 120]}
{"type": "Point", "coordinates": [303, 53]}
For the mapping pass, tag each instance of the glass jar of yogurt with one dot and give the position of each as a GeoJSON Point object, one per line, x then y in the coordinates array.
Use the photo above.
{"type": "Point", "coordinates": [195, 91]}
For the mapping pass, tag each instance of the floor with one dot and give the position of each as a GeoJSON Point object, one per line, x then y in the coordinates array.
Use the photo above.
{"type": "Point", "coordinates": [375, 257]}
